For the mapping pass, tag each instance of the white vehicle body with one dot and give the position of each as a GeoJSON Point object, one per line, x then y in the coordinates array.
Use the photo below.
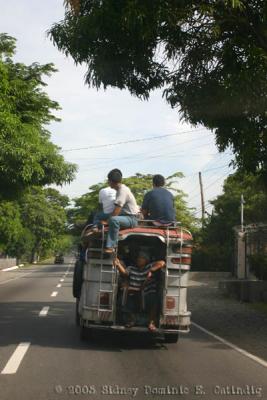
{"type": "Point", "coordinates": [98, 306]}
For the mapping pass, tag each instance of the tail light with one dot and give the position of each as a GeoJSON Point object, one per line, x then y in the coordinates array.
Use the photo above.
{"type": "Point", "coordinates": [177, 248]}
{"type": "Point", "coordinates": [104, 299]}
{"type": "Point", "coordinates": [170, 303]}
{"type": "Point", "coordinates": [182, 260]}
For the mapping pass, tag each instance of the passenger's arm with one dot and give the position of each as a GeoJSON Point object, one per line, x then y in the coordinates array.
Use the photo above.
{"type": "Point", "coordinates": [120, 267]}
{"type": "Point", "coordinates": [145, 206]}
{"type": "Point", "coordinates": [157, 265]}
{"type": "Point", "coordinates": [116, 211]}
{"type": "Point", "coordinates": [144, 212]}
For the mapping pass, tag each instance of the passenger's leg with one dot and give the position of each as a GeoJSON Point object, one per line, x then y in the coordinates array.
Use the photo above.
{"type": "Point", "coordinates": [114, 226]}
{"type": "Point", "coordinates": [151, 303]}
{"type": "Point", "coordinates": [100, 216]}
{"type": "Point", "coordinates": [130, 308]}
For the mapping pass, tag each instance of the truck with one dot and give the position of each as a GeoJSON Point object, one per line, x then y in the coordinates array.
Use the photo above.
{"type": "Point", "coordinates": [99, 289]}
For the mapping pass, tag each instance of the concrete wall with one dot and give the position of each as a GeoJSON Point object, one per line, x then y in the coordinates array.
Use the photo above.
{"type": "Point", "coordinates": [208, 276]}
{"type": "Point", "coordinates": [251, 291]}
{"type": "Point", "coordinates": [7, 262]}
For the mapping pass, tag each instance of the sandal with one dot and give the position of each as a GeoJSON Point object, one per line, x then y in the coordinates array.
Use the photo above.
{"type": "Point", "coordinates": [109, 250]}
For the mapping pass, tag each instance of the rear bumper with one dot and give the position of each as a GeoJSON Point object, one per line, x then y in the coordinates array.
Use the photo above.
{"type": "Point", "coordinates": [135, 329]}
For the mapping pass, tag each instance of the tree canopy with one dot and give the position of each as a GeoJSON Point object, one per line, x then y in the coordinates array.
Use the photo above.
{"type": "Point", "coordinates": [27, 156]}
{"type": "Point", "coordinates": [34, 224]}
{"type": "Point", "coordinates": [208, 57]}
{"type": "Point", "coordinates": [33, 219]}
{"type": "Point", "coordinates": [216, 240]}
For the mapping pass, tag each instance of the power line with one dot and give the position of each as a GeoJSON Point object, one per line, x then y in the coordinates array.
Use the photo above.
{"type": "Point", "coordinates": [132, 141]}
{"type": "Point", "coordinates": [141, 157]}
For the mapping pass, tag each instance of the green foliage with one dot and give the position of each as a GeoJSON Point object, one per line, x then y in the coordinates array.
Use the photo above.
{"type": "Point", "coordinates": [216, 241]}
{"type": "Point", "coordinates": [44, 217]}
{"type": "Point", "coordinates": [27, 156]}
{"type": "Point", "coordinates": [11, 228]}
{"type": "Point", "coordinates": [64, 244]}
{"type": "Point", "coordinates": [258, 264]}
{"type": "Point", "coordinates": [34, 225]}
{"type": "Point", "coordinates": [209, 56]}
{"type": "Point", "coordinates": [139, 185]}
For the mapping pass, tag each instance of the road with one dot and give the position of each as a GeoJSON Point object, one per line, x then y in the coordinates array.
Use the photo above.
{"type": "Point", "coordinates": [42, 357]}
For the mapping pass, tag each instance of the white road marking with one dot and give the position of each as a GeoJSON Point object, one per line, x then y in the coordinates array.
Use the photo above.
{"type": "Point", "coordinates": [233, 346]}
{"type": "Point", "coordinates": [44, 312]}
{"type": "Point", "coordinates": [54, 294]}
{"type": "Point", "coordinates": [61, 280]}
{"type": "Point", "coordinates": [59, 285]}
{"type": "Point", "coordinates": [9, 268]}
{"type": "Point", "coordinates": [16, 358]}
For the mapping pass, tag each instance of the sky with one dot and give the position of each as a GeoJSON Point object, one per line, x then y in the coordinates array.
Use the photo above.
{"type": "Point", "coordinates": [91, 118]}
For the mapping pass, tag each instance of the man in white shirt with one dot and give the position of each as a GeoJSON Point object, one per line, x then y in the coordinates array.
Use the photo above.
{"type": "Point", "coordinates": [107, 198]}
{"type": "Point", "coordinates": [125, 212]}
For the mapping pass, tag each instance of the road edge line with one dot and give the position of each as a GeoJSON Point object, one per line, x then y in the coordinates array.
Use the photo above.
{"type": "Point", "coordinates": [245, 353]}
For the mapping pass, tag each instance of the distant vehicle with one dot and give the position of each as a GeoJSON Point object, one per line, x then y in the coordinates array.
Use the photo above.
{"type": "Point", "coordinates": [99, 291]}
{"type": "Point", "coordinates": [59, 259]}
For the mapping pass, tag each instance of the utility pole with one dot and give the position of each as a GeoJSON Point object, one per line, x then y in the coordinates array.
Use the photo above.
{"type": "Point", "coordinates": [202, 197]}
{"type": "Point", "coordinates": [242, 272]}
{"type": "Point", "coordinates": [242, 212]}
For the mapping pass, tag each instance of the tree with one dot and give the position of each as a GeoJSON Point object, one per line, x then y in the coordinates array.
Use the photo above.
{"type": "Point", "coordinates": [209, 58]}
{"type": "Point", "coordinates": [11, 228]}
{"type": "Point", "coordinates": [27, 156]}
{"type": "Point", "coordinates": [43, 214]}
{"type": "Point", "coordinates": [216, 241]}
{"type": "Point", "coordinates": [139, 184]}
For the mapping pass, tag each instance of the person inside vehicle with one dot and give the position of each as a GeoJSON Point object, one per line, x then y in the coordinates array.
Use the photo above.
{"type": "Point", "coordinates": [158, 203]}
{"type": "Point", "coordinates": [142, 285]}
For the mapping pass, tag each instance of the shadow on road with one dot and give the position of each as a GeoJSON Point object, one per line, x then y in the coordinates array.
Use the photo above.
{"type": "Point", "coordinates": [20, 322]}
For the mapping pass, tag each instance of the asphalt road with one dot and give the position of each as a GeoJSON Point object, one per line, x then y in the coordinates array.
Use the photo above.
{"type": "Point", "coordinates": [42, 357]}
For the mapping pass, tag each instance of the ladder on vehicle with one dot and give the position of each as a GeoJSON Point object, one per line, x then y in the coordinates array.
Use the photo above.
{"type": "Point", "coordinates": [107, 284]}
{"type": "Point", "coordinates": [173, 290]}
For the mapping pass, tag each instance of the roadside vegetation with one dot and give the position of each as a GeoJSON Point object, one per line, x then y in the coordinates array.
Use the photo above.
{"type": "Point", "coordinates": [33, 217]}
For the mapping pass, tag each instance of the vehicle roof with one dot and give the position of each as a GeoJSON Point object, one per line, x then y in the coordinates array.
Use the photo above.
{"type": "Point", "coordinates": [162, 233]}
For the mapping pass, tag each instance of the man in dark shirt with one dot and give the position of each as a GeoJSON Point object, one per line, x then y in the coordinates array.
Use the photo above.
{"type": "Point", "coordinates": [158, 204]}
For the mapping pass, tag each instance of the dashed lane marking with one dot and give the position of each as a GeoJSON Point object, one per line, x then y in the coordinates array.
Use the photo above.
{"type": "Point", "coordinates": [232, 346]}
{"type": "Point", "coordinates": [16, 358]}
{"type": "Point", "coordinates": [61, 280]}
{"type": "Point", "coordinates": [59, 285]}
{"type": "Point", "coordinates": [44, 312]}
{"type": "Point", "coordinates": [54, 294]}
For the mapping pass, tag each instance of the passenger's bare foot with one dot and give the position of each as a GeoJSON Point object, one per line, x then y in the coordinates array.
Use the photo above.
{"type": "Point", "coordinates": [109, 250]}
{"type": "Point", "coordinates": [91, 231]}
{"type": "Point", "coordinates": [152, 327]}
{"type": "Point", "coordinates": [105, 223]}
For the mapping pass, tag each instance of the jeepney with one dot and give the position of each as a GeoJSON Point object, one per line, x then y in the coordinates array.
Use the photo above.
{"type": "Point", "coordinates": [99, 302]}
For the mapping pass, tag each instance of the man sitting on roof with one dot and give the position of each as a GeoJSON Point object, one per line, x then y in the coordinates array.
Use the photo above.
{"type": "Point", "coordinates": [158, 204]}
{"type": "Point", "coordinates": [141, 281]}
{"type": "Point", "coordinates": [124, 214]}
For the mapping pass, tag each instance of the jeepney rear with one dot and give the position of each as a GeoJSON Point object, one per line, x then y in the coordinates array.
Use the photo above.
{"type": "Point", "coordinates": [100, 302]}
